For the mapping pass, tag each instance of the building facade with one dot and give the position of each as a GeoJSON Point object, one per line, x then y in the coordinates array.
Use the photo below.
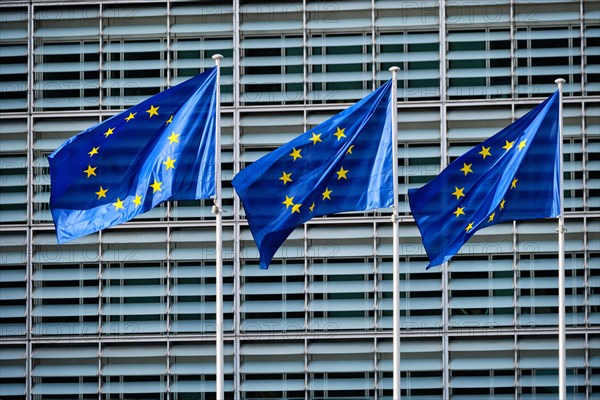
{"type": "Point", "coordinates": [129, 313]}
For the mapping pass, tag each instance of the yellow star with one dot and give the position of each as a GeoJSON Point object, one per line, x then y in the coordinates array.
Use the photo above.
{"type": "Point", "coordinates": [469, 227]}
{"type": "Point", "coordinates": [513, 185]}
{"type": "Point", "coordinates": [169, 120]}
{"type": "Point", "coordinates": [492, 215]}
{"type": "Point", "coordinates": [508, 145]}
{"type": "Point", "coordinates": [485, 151]}
{"type": "Point", "coordinates": [326, 194]}
{"type": "Point", "coordinates": [170, 163]}
{"type": "Point", "coordinates": [174, 138]}
{"type": "Point", "coordinates": [153, 111]}
{"type": "Point", "coordinates": [109, 132]}
{"type": "Point", "coordinates": [502, 204]}
{"type": "Point", "coordinates": [90, 171]}
{"type": "Point", "coordinates": [138, 200]}
{"type": "Point", "coordinates": [118, 204]}
{"type": "Point", "coordinates": [466, 168]}
{"type": "Point", "coordinates": [288, 201]}
{"type": "Point", "coordinates": [312, 207]}
{"type": "Point", "coordinates": [296, 208]}
{"type": "Point", "coordinates": [458, 192]}
{"type": "Point", "coordinates": [316, 138]}
{"type": "Point", "coordinates": [522, 144]}
{"type": "Point", "coordinates": [94, 151]}
{"type": "Point", "coordinates": [296, 153]}
{"type": "Point", "coordinates": [459, 211]}
{"type": "Point", "coordinates": [349, 151]}
{"type": "Point", "coordinates": [156, 186]}
{"type": "Point", "coordinates": [130, 117]}
{"type": "Point", "coordinates": [101, 193]}
{"type": "Point", "coordinates": [286, 178]}
{"type": "Point", "coordinates": [340, 133]}
{"type": "Point", "coordinates": [342, 173]}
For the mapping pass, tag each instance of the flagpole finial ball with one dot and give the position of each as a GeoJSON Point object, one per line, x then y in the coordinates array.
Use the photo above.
{"type": "Point", "coordinates": [560, 81]}
{"type": "Point", "coordinates": [217, 57]}
{"type": "Point", "coordinates": [394, 69]}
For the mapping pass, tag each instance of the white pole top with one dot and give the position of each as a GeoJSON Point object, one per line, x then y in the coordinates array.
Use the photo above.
{"type": "Point", "coordinates": [394, 69]}
{"type": "Point", "coordinates": [217, 57]}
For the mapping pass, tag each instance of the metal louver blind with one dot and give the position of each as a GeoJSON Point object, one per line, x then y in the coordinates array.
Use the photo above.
{"type": "Point", "coordinates": [13, 167]}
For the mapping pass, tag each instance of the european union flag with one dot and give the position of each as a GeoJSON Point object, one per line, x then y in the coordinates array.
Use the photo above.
{"type": "Point", "coordinates": [514, 175]}
{"type": "Point", "coordinates": [343, 164]}
{"type": "Point", "coordinates": [161, 149]}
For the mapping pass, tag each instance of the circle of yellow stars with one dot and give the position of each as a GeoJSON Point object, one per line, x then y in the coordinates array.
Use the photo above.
{"type": "Point", "coordinates": [466, 169]}
{"type": "Point", "coordinates": [296, 154]}
{"type": "Point", "coordinates": [156, 186]}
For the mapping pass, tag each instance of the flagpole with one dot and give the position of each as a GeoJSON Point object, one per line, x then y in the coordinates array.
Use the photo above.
{"type": "Point", "coordinates": [562, 352]}
{"type": "Point", "coordinates": [216, 209]}
{"type": "Point", "coordinates": [395, 242]}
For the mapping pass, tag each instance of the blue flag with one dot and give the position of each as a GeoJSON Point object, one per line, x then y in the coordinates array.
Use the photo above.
{"type": "Point", "coordinates": [161, 149]}
{"type": "Point", "coordinates": [344, 164]}
{"type": "Point", "coordinates": [514, 175]}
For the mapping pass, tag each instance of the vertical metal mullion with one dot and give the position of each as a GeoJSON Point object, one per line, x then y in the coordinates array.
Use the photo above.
{"type": "Point", "coordinates": [306, 238]}
{"type": "Point", "coordinates": [442, 51]}
{"type": "Point", "coordinates": [581, 55]}
{"type": "Point", "coordinates": [513, 61]}
{"type": "Point", "coordinates": [306, 374]}
{"type": "Point", "coordinates": [100, 289]}
{"type": "Point", "coordinates": [586, 303]}
{"type": "Point", "coordinates": [376, 368]}
{"type": "Point", "coordinates": [373, 47]}
{"type": "Point", "coordinates": [29, 321]}
{"type": "Point", "coordinates": [305, 126]}
{"type": "Point", "coordinates": [443, 163]}
{"type": "Point", "coordinates": [169, 203]}
{"type": "Point", "coordinates": [168, 227]}
{"type": "Point", "coordinates": [375, 278]}
{"type": "Point", "coordinates": [100, 56]}
{"type": "Point", "coordinates": [515, 270]}
{"type": "Point", "coordinates": [168, 305]}
{"type": "Point", "coordinates": [236, 54]}
{"type": "Point", "coordinates": [100, 241]}
{"type": "Point", "coordinates": [445, 332]}
{"type": "Point", "coordinates": [29, 194]}
{"type": "Point", "coordinates": [236, 266]}
{"type": "Point", "coordinates": [515, 266]}
{"type": "Point", "coordinates": [305, 273]}
{"type": "Point", "coordinates": [588, 375]}
{"type": "Point", "coordinates": [236, 263]}
{"type": "Point", "coordinates": [168, 363]}
{"type": "Point", "coordinates": [583, 93]}
{"type": "Point", "coordinates": [516, 381]}
{"type": "Point", "coordinates": [582, 45]}
{"type": "Point", "coordinates": [375, 311]}
{"type": "Point", "coordinates": [304, 55]}
{"type": "Point", "coordinates": [237, 159]}
{"type": "Point", "coordinates": [488, 61]}
{"type": "Point", "coordinates": [168, 5]}
{"type": "Point", "coordinates": [30, 96]}
{"type": "Point", "coordinates": [586, 255]}
{"type": "Point", "coordinates": [99, 373]}
{"type": "Point", "coordinates": [168, 284]}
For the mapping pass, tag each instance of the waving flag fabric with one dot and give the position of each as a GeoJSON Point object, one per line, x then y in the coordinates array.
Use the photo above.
{"type": "Point", "coordinates": [514, 175]}
{"type": "Point", "coordinates": [161, 149]}
{"type": "Point", "coordinates": [344, 164]}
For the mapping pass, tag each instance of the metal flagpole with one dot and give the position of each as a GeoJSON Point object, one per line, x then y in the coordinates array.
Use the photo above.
{"type": "Point", "coordinates": [562, 353]}
{"type": "Point", "coordinates": [216, 209]}
{"type": "Point", "coordinates": [395, 242]}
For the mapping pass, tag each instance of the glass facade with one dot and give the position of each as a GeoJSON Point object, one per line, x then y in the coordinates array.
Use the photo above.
{"type": "Point", "coordinates": [129, 313]}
